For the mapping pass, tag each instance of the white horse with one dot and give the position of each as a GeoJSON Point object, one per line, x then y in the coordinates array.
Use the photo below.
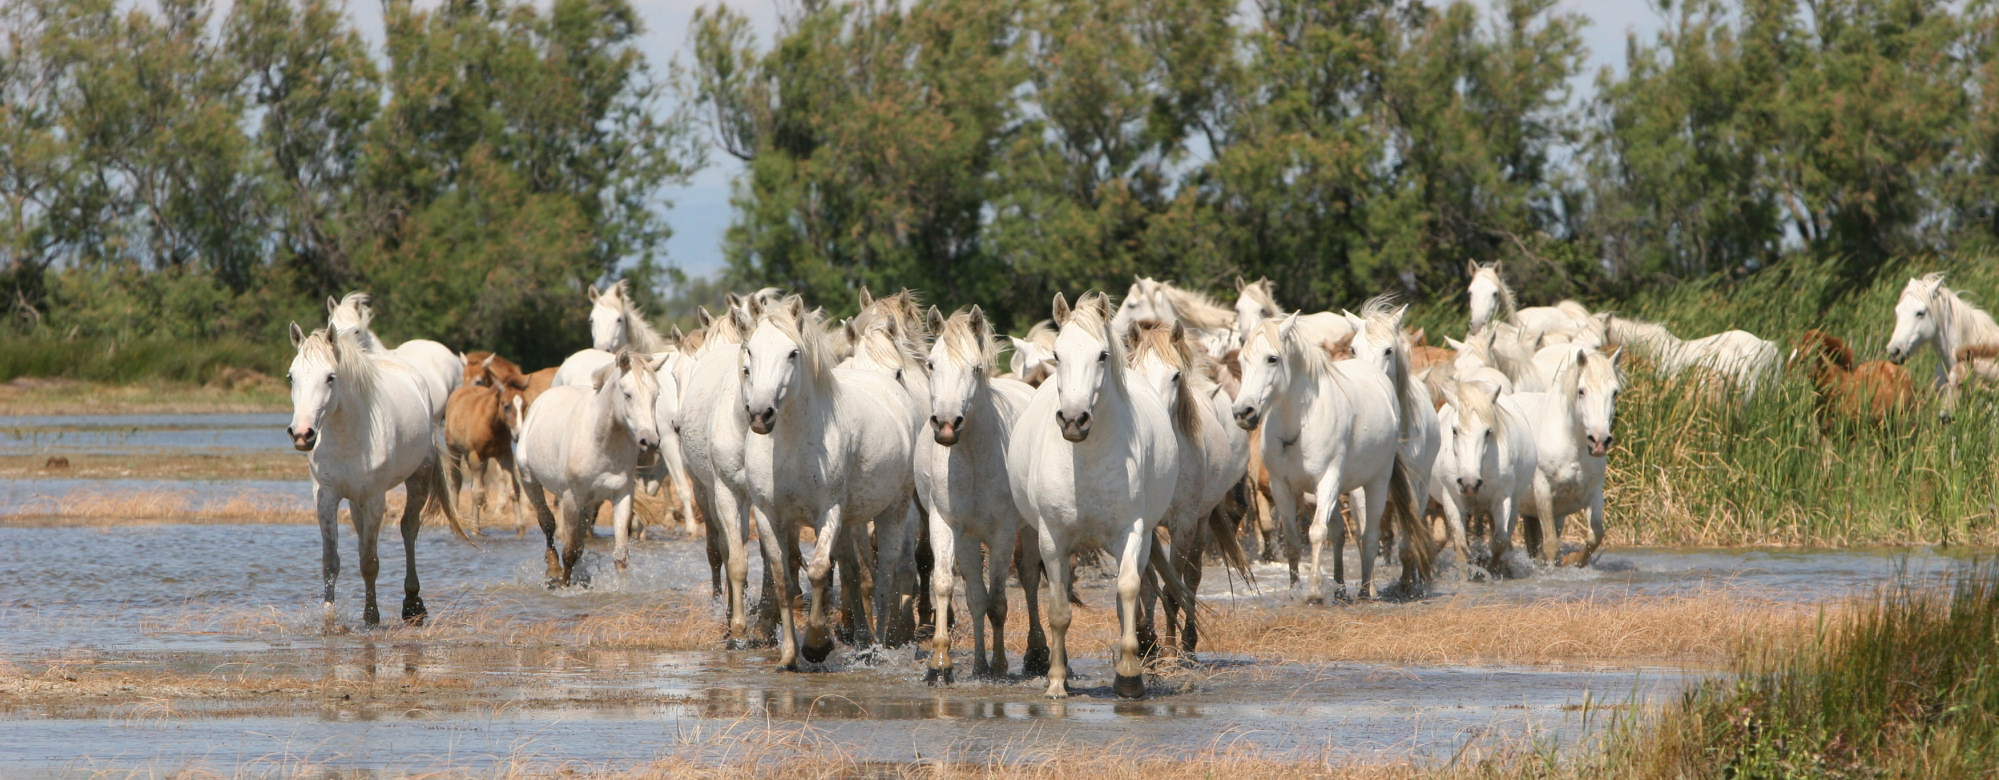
{"type": "Point", "coordinates": [441, 369]}
{"type": "Point", "coordinates": [1492, 302]}
{"type": "Point", "coordinates": [1572, 440]}
{"type": "Point", "coordinates": [1213, 457]}
{"type": "Point", "coordinates": [1093, 465]}
{"type": "Point", "coordinates": [1965, 336]}
{"type": "Point", "coordinates": [961, 479]}
{"type": "Point", "coordinates": [1150, 300]}
{"type": "Point", "coordinates": [1380, 340]}
{"type": "Point", "coordinates": [1033, 358]}
{"type": "Point", "coordinates": [887, 342]}
{"type": "Point", "coordinates": [666, 415]}
{"type": "Point", "coordinates": [1255, 305]}
{"type": "Point", "coordinates": [713, 429]}
{"type": "Point", "coordinates": [583, 445]}
{"type": "Point", "coordinates": [615, 323]}
{"type": "Point", "coordinates": [1488, 463]}
{"type": "Point", "coordinates": [365, 423]}
{"type": "Point", "coordinates": [1739, 358]}
{"type": "Point", "coordinates": [832, 452]}
{"type": "Point", "coordinates": [1331, 428]}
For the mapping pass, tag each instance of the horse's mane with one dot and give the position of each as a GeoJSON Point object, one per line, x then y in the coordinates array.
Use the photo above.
{"type": "Point", "coordinates": [814, 347]}
{"type": "Point", "coordinates": [1042, 334]}
{"type": "Point", "coordinates": [1316, 362]}
{"type": "Point", "coordinates": [1170, 344]}
{"type": "Point", "coordinates": [1197, 309]}
{"type": "Point", "coordinates": [1964, 325]}
{"type": "Point", "coordinates": [1474, 399]}
{"type": "Point", "coordinates": [341, 348]}
{"type": "Point", "coordinates": [639, 334]}
{"type": "Point", "coordinates": [1620, 331]}
{"type": "Point", "coordinates": [967, 343]}
{"type": "Point", "coordinates": [1573, 308]}
{"type": "Point", "coordinates": [880, 345]}
{"type": "Point", "coordinates": [902, 311]}
{"type": "Point", "coordinates": [1600, 372]}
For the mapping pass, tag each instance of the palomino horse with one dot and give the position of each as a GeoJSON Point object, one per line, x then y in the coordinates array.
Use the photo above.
{"type": "Point", "coordinates": [831, 452]}
{"type": "Point", "coordinates": [1213, 456]}
{"type": "Point", "coordinates": [961, 479]}
{"type": "Point", "coordinates": [1739, 358]}
{"type": "Point", "coordinates": [366, 426]}
{"type": "Point", "coordinates": [1572, 440]}
{"type": "Point", "coordinates": [1488, 464]}
{"type": "Point", "coordinates": [1092, 465]}
{"type": "Point", "coordinates": [1965, 336]}
{"type": "Point", "coordinates": [1331, 428]}
{"type": "Point", "coordinates": [440, 369]}
{"type": "Point", "coordinates": [1492, 303]}
{"type": "Point", "coordinates": [583, 445]}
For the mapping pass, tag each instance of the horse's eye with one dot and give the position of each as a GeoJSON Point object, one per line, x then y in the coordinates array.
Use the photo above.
{"type": "Point", "coordinates": [1488, 434]}
{"type": "Point", "coordinates": [1271, 360]}
{"type": "Point", "coordinates": [329, 379]}
{"type": "Point", "coordinates": [1103, 356]}
{"type": "Point", "coordinates": [794, 353]}
{"type": "Point", "coordinates": [1919, 312]}
{"type": "Point", "coordinates": [1581, 393]}
{"type": "Point", "coordinates": [898, 375]}
{"type": "Point", "coordinates": [1176, 376]}
{"type": "Point", "coordinates": [929, 365]}
{"type": "Point", "coordinates": [1456, 431]}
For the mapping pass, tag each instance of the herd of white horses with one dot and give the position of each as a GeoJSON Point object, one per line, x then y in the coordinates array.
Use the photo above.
{"type": "Point", "coordinates": [1144, 431]}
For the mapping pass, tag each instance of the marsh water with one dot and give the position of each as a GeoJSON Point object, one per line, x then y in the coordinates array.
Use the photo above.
{"type": "Point", "coordinates": [242, 602]}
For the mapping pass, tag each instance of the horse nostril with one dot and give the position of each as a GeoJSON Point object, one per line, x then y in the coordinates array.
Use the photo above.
{"type": "Point", "coordinates": [1083, 419]}
{"type": "Point", "coordinates": [1609, 440]}
{"type": "Point", "coordinates": [958, 422]}
{"type": "Point", "coordinates": [934, 421]}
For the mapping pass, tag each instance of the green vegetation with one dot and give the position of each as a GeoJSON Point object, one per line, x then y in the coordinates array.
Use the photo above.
{"type": "Point", "coordinates": [1902, 686]}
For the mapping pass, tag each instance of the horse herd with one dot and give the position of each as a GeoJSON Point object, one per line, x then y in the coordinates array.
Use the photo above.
{"type": "Point", "coordinates": [1148, 430]}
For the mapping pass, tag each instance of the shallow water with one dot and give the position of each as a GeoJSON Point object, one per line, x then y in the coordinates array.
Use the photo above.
{"type": "Point", "coordinates": [116, 434]}
{"type": "Point", "coordinates": [41, 496]}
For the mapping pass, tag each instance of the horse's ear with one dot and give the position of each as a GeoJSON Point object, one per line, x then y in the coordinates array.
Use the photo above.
{"type": "Point", "coordinates": [487, 363]}
{"type": "Point", "coordinates": [1290, 322]}
{"type": "Point", "coordinates": [1616, 355]}
{"type": "Point", "coordinates": [796, 306]}
{"type": "Point", "coordinates": [1418, 336]}
{"type": "Point", "coordinates": [1496, 267]}
{"type": "Point", "coordinates": [1240, 285]}
{"type": "Point", "coordinates": [753, 306]}
{"type": "Point", "coordinates": [867, 298]}
{"type": "Point", "coordinates": [702, 315]}
{"type": "Point", "coordinates": [1061, 310]}
{"type": "Point", "coordinates": [1017, 362]}
{"type": "Point", "coordinates": [847, 329]}
{"type": "Point", "coordinates": [331, 304]}
{"type": "Point", "coordinates": [1454, 344]}
{"type": "Point", "coordinates": [979, 323]}
{"type": "Point", "coordinates": [1492, 392]}
{"type": "Point", "coordinates": [592, 290]}
{"type": "Point", "coordinates": [1471, 267]}
{"type": "Point", "coordinates": [1179, 333]}
{"type": "Point", "coordinates": [624, 361]}
{"type": "Point", "coordinates": [743, 320]}
{"type": "Point", "coordinates": [731, 300]}
{"type": "Point", "coordinates": [298, 335]}
{"type": "Point", "coordinates": [934, 320]}
{"type": "Point", "coordinates": [657, 361]}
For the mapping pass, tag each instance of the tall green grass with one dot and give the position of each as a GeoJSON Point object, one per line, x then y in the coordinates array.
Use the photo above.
{"type": "Point", "coordinates": [1687, 470]}
{"type": "Point", "coordinates": [140, 359]}
{"type": "Point", "coordinates": [1904, 686]}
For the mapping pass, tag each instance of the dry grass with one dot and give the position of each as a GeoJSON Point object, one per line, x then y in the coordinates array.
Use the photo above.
{"type": "Point", "coordinates": [85, 508]}
{"type": "Point", "coordinates": [216, 466]}
{"type": "Point", "coordinates": [86, 681]}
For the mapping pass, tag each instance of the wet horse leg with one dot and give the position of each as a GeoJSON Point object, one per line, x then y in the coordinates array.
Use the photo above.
{"type": "Point", "coordinates": [418, 489]}
{"type": "Point", "coordinates": [328, 505]}
{"type": "Point", "coordinates": [367, 516]}
{"type": "Point", "coordinates": [1027, 562]}
{"type": "Point", "coordinates": [818, 636]}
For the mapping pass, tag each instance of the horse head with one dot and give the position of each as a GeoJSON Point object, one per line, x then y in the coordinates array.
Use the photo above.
{"type": "Point", "coordinates": [1086, 359]}
{"type": "Point", "coordinates": [635, 377]}
{"type": "Point", "coordinates": [607, 318]}
{"type": "Point", "coordinates": [1916, 315]}
{"type": "Point", "coordinates": [775, 357]}
{"type": "Point", "coordinates": [958, 362]}
{"type": "Point", "coordinates": [1476, 405]}
{"type": "Point", "coordinates": [1265, 368]}
{"type": "Point", "coordinates": [312, 376]}
{"type": "Point", "coordinates": [1597, 387]}
{"type": "Point", "coordinates": [1487, 294]}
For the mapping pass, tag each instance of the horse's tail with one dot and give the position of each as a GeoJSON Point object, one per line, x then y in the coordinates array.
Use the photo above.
{"type": "Point", "coordinates": [1162, 567]}
{"type": "Point", "coordinates": [1419, 549]}
{"type": "Point", "coordinates": [1227, 545]}
{"type": "Point", "coordinates": [441, 493]}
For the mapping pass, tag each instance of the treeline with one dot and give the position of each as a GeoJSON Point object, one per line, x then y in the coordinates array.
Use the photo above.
{"type": "Point", "coordinates": [996, 151]}
{"type": "Point", "coordinates": [170, 174]}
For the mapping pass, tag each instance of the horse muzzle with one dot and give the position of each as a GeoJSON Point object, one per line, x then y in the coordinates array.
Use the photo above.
{"type": "Point", "coordinates": [305, 440]}
{"type": "Point", "coordinates": [1247, 417]}
{"type": "Point", "coordinates": [762, 422]}
{"type": "Point", "coordinates": [1599, 448]}
{"type": "Point", "coordinates": [1898, 356]}
{"type": "Point", "coordinates": [1076, 429]}
{"type": "Point", "coordinates": [1470, 488]}
{"type": "Point", "coordinates": [946, 433]}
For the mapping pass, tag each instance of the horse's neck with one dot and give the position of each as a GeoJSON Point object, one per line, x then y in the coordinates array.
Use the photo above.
{"type": "Point", "coordinates": [639, 335]}
{"type": "Point", "coordinates": [603, 414]}
{"type": "Point", "coordinates": [1968, 326]}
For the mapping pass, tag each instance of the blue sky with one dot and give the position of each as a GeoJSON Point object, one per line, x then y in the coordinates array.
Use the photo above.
{"type": "Point", "coordinates": [700, 212]}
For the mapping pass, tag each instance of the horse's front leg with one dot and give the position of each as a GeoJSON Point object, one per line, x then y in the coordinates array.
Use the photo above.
{"type": "Point", "coordinates": [1328, 494]}
{"type": "Point", "coordinates": [575, 529]}
{"type": "Point", "coordinates": [1189, 554]}
{"type": "Point", "coordinates": [1284, 512]}
{"type": "Point", "coordinates": [1055, 561]}
{"type": "Point", "coordinates": [1505, 513]}
{"type": "Point", "coordinates": [894, 619]}
{"type": "Point", "coordinates": [1132, 546]}
{"type": "Point", "coordinates": [1034, 662]}
{"type": "Point", "coordinates": [1595, 529]}
{"type": "Point", "coordinates": [621, 525]}
{"type": "Point", "coordinates": [511, 471]}
{"type": "Point", "coordinates": [818, 636]}
{"type": "Point", "coordinates": [367, 515]}
{"type": "Point", "coordinates": [328, 506]}
{"type": "Point", "coordinates": [545, 517]}
{"type": "Point", "coordinates": [944, 554]}
{"type": "Point", "coordinates": [1369, 503]}
{"type": "Point", "coordinates": [776, 559]}
{"type": "Point", "coordinates": [992, 593]}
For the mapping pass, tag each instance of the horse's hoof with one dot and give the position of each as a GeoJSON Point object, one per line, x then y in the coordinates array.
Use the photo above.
{"type": "Point", "coordinates": [413, 611]}
{"type": "Point", "coordinates": [621, 566]}
{"type": "Point", "coordinates": [371, 616]}
{"type": "Point", "coordinates": [1035, 662]}
{"type": "Point", "coordinates": [816, 652]}
{"type": "Point", "coordinates": [1058, 690]}
{"type": "Point", "coordinates": [1315, 600]}
{"type": "Point", "coordinates": [937, 677]}
{"type": "Point", "coordinates": [1129, 687]}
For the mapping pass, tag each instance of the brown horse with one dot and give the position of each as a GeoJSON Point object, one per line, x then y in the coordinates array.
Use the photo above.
{"type": "Point", "coordinates": [1870, 392]}
{"type": "Point", "coordinates": [478, 430]}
